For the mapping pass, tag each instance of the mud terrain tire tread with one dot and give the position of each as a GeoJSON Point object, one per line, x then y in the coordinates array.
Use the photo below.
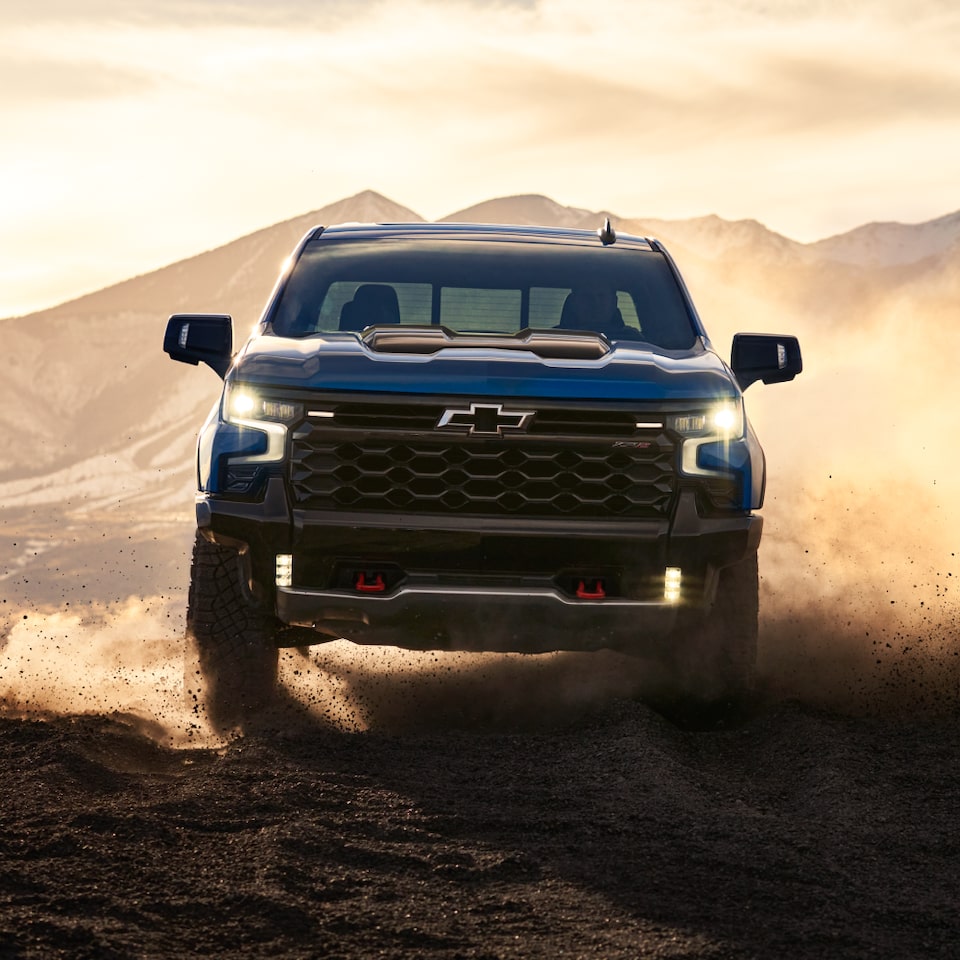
{"type": "Point", "coordinates": [233, 644]}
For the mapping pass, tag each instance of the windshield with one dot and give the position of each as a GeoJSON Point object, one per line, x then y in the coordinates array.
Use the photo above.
{"type": "Point", "coordinates": [488, 286]}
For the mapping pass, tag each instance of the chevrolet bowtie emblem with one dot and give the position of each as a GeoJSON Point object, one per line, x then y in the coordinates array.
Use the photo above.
{"type": "Point", "coordinates": [487, 418]}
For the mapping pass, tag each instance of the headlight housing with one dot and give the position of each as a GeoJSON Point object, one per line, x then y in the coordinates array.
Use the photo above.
{"type": "Point", "coordinates": [247, 442]}
{"type": "Point", "coordinates": [244, 404]}
{"type": "Point", "coordinates": [722, 421]}
{"type": "Point", "coordinates": [715, 448]}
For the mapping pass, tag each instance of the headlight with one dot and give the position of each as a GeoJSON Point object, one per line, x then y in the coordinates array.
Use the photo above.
{"type": "Point", "coordinates": [727, 419]}
{"type": "Point", "coordinates": [724, 420]}
{"type": "Point", "coordinates": [244, 441]}
{"type": "Point", "coordinates": [246, 408]}
{"type": "Point", "coordinates": [241, 404]}
{"type": "Point", "coordinates": [711, 439]}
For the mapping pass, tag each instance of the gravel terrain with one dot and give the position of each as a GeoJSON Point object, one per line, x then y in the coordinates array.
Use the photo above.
{"type": "Point", "coordinates": [421, 805]}
{"type": "Point", "coordinates": [468, 831]}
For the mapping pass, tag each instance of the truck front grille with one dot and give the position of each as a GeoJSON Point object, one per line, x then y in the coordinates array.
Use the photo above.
{"type": "Point", "coordinates": [519, 476]}
{"type": "Point", "coordinates": [423, 417]}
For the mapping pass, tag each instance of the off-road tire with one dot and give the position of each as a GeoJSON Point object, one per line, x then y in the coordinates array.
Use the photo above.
{"type": "Point", "coordinates": [714, 657]}
{"type": "Point", "coordinates": [232, 655]}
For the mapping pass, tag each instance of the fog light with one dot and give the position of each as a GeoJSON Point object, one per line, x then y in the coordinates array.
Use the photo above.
{"type": "Point", "coordinates": [671, 584]}
{"type": "Point", "coordinates": [284, 570]}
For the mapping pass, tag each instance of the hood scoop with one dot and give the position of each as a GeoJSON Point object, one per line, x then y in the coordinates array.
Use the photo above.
{"type": "Point", "coordinates": [430, 338]}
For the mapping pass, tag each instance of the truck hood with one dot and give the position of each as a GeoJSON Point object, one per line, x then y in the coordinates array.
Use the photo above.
{"type": "Point", "coordinates": [343, 363]}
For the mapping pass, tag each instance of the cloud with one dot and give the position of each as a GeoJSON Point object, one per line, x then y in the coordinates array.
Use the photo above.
{"type": "Point", "coordinates": [739, 65]}
{"type": "Point", "coordinates": [811, 117]}
{"type": "Point", "coordinates": [183, 12]}
{"type": "Point", "coordinates": [23, 81]}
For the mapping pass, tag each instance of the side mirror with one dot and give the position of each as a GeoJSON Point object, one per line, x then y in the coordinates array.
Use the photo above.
{"type": "Point", "coordinates": [768, 357]}
{"type": "Point", "coordinates": [196, 337]}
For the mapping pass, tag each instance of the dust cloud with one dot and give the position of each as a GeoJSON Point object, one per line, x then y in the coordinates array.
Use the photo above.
{"type": "Point", "coordinates": [124, 658]}
{"type": "Point", "coordinates": [859, 602]}
{"type": "Point", "coordinates": [127, 660]}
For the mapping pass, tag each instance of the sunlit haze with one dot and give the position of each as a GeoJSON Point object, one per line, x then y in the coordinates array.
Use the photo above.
{"type": "Point", "coordinates": [139, 133]}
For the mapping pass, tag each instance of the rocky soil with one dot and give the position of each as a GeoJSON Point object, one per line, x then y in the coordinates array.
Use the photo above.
{"type": "Point", "coordinates": [458, 831]}
{"type": "Point", "coordinates": [405, 805]}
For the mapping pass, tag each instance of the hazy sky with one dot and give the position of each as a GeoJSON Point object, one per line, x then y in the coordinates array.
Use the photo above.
{"type": "Point", "coordinates": [135, 133]}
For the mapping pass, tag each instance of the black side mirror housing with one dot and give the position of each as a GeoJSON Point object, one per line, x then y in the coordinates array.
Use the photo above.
{"type": "Point", "coordinates": [772, 358]}
{"type": "Point", "coordinates": [200, 337]}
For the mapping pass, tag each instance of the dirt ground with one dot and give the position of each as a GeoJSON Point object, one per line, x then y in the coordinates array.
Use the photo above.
{"type": "Point", "coordinates": [421, 805]}
{"type": "Point", "coordinates": [612, 832]}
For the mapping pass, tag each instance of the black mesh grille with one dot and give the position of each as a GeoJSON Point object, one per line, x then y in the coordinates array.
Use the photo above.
{"type": "Point", "coordinates": [521, 476]}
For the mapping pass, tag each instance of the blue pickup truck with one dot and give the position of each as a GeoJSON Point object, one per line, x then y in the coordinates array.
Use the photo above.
{"type": "Point", "coordinates": [472, 437]}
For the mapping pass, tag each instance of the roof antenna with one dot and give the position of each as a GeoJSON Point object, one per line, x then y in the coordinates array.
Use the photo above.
{"type": "Point", "coordinates": [606, 233]}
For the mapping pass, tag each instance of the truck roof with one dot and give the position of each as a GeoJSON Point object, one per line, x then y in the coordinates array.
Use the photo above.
{"type": "Point", "coordinates": [477, 231]}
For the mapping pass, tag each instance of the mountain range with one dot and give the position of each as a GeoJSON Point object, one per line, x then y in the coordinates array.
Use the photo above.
{"type": "Point", "coordinates": [87, 378]}
{"type": "Point", "coordinates": [98, 426]}
{"type": "Point", "coordinates": [237, 270]}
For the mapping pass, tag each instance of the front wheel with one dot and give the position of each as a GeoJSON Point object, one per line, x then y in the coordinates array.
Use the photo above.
{"type": "Point", "coordinates": [714, 658]}
{"type": "Point", "coordinates": [233, 645]}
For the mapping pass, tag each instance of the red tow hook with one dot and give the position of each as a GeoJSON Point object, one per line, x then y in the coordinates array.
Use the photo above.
{"type": "Point", "coordinates": [373, 586]}
{"type": "Point", "coordinates": [597, 593]}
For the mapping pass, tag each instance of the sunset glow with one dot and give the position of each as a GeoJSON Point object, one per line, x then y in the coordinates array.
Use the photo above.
{"type": "Point", "coordinates": [136, 134]}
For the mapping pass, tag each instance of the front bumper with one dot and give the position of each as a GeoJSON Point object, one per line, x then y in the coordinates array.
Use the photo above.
{"type": "Point", "coordinates": [521, 620]}
{"type": "Point", "coordinates": [479, 584]}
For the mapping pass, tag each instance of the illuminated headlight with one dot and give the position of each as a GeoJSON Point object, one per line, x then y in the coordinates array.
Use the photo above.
{"type": "Point", "coordinates": [244, 404]}
{"type": "Point", "coordinates": [671, 584]}
{"type": "Point", "coordinates": [727, 419]}
{"type": "Point", "coordinates": [241, 404]}
{"type": "Point", "coordinates": [724, 420]}
{"type": "Point", "coordinates": [244, 407]}
{"type": "Point", "coordinates": [284, 570]}
{"type": "Point", "coordinates": [721, 427]}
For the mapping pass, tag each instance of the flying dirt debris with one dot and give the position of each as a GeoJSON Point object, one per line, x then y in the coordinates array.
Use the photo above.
{"type": "Point", "coordinates": [454, 804]}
